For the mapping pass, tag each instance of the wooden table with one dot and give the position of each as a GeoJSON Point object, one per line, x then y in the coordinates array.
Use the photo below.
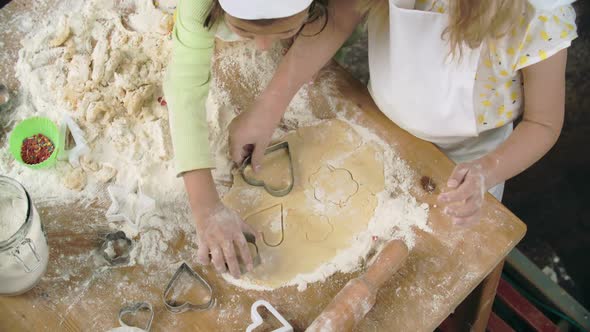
{"type": "Point", "coordinates": [441, 271]}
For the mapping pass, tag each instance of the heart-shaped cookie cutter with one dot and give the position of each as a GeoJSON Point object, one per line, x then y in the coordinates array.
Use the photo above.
{"type": "Point", "coordinates": [257, 319]}
{"type": "Point", "coordinates": [280, 192]}
{"type": "Point", "coordinates": [132, 309]}
{"type": "Point", "coordinates": [176, 308]}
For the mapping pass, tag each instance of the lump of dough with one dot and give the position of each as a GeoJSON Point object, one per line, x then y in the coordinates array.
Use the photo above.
{"type": "Point", "coordinates": [135, 100]}
{"type": "Point", "coordinates": [106, 173]}
{"type": "Point", "coordinates": [62, 35]}
{"type": "Point", "coordinates": [88, 164]}
{"type": "Point", "coordinates": [75, 180]}
{"type": "Point", "coordinates": [99, 112]}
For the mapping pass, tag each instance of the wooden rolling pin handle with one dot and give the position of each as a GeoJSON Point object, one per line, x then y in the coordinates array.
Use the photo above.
{"type": "Point", "coordinates": [357, 298]}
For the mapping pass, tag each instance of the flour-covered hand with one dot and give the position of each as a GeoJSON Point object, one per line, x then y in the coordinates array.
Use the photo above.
{"type": "Point", "coordinates": [251, 132]}
{"type": "Point", "coordinates": [467, 188]}
{"type": "Point", "coordinates": [219, 235]}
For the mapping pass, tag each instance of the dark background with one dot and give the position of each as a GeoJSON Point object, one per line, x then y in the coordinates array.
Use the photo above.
{"type": "Point", "coordinates": [553, 196]}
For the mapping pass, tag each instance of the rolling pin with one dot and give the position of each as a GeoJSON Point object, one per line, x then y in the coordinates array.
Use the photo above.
{"type": "Point", "coordinates": [357, 298]}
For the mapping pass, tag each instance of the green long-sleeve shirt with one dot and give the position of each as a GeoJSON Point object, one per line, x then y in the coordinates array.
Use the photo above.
{"type": "Point", "coordinates": [186, 86]}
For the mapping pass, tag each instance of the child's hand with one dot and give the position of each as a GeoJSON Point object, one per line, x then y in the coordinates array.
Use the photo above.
{"type": "Point", "coordinates": [219, 235]}
{"type": "Point", "coordinates": [467, 186]}
{"type": "Point", "coordinates": [251, 131]}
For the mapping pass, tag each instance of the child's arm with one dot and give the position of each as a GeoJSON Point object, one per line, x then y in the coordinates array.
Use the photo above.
{"type": "Point", "coordinates": [218, 227]}
{"type": "Point", "coordinates": [544, 92]}
{"type": "Point", "coordinates": [308, 54]}
{"type": "Point", "coordinates": [186, 89]}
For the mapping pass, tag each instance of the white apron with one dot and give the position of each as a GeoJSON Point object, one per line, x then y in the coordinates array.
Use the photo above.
{"type": "Point", "coordinates": [417, 83]}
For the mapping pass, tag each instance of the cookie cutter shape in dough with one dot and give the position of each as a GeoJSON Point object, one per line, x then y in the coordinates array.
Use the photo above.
{"type": "Point", "coordinates": [276, 192]}
{"type": "Point", "coordinates": [257, 319]}
{"type": "Point", "coordinates": [116, 248]}
{"type": "Point", "coordinates": [177, 308]}
{"type": "Point", "coordinates": [133, 309]}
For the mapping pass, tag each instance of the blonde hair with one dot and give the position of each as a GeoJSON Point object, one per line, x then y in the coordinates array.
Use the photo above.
{"type": "Point", "coordinates": [471, 23]}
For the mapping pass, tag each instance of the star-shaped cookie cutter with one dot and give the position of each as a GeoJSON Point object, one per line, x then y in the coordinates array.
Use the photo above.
{"type": "Point", "coordinates": [143, 205]}
{"type": "Point", "coordinates": [277, 192]}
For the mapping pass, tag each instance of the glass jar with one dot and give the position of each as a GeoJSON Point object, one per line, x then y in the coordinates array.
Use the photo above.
{"type": "Point", "coordinates": [23, 243]}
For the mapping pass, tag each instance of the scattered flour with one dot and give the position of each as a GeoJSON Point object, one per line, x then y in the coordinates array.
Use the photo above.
{"type": "Point", "coordinates": [106, 73]}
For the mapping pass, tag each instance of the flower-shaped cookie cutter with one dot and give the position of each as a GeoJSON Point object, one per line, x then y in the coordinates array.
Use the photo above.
{"type": "Point", "coordinates": [277, 192]}
{"type": "Point", "coordinates": [143, 205]}
{"type": "Point", "coordinates": [133, 309]}
{"type": "Point", "coordinates": [116, 248]}
{"type": "Point", "coordinates": [178, 308]}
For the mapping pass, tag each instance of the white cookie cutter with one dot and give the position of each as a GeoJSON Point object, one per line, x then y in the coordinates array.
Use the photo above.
{"type": "Point", "coordinates": [72, 155]}
{"type": "Point", "coordinates": [143, 205]}
{"type": "Point", "coordinates": [257, 319]}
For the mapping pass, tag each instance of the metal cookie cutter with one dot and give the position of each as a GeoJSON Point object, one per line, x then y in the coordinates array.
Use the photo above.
{"type": "Point", "coordinates": [132, 309]}
{"type": "Point", "coordinates": [177, 308]}
{"type": "Point", "coordinates": [116, 248]}
{"type": "Point", "coordinates": [277, 192]}
{"type": "Point", "coordinates": [251, 239]}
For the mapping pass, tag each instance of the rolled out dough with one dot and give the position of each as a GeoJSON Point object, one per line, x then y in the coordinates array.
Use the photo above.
{"type": "Point", "coordinates": [337, 176]}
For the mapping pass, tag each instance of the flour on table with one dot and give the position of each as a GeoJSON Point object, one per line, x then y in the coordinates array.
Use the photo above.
{"type": "Point", "coordinates": [102, 63]}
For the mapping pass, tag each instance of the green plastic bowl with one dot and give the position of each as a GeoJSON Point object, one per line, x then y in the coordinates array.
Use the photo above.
{"type": "Point", "coordinates": [33, 126]}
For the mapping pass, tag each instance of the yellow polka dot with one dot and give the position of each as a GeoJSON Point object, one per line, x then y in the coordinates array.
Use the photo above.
{"type": "Point", "coordinates": [503, 73]}
{"type": "Point", "coordinates": [543, 18]}
{"type": "Point", "coordinates": [513, 32]}
{"type": "Point", "coordinates": [528, 39]}
{"type": "Point", "coordinates": [564, 34]}
{"type": "Point", "coordinates": [481, 119]}
{"type": "Point", "coordinates": [486, 103]}
{"type": "Point", "coordinates": [542, 54]}
{"type": "Point", "coordinates": [569, 26]}
{"type": "Point", "coordinates": [509, 114]}
{"type": "Point", "coordinates": [497, 94]}
{"type": "Point", "coordinates": [520, 46]}
{"type": "Point", "coordinates": [492, 79]}
{"type": "Point", "coordinates": [510, 51]}
{"type": "Point", "coordinates": [501, 110]}
{"type": "Point", "coordinates": [545, 35]}
{"type": "Point", "coordinates": [556, 19]}
{"type": "Point", "coordinates": [487, 63]}
{"type": "Point", "coordinates": [440, 10]}
{"type": "Point", "coordinates": [514, 67]}
{"type": "Point", "coordinates": [508, 84]}
{"type": "Point", "coordinates": [500, 124]}
{"type": "Point", "coordinates": [523, 60]}
{"type": "Point", "coordinates": [522, 21]}
{"type": "Point", "coordinates": [514, 95]}
{"type": "Point", "coordinates": [482, 95]}
{"type": "Point", "coordinates": [488, 86]}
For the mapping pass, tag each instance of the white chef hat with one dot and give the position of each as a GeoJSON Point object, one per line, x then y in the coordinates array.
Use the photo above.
{"type": "Point", "coordinates": [263, 9]}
